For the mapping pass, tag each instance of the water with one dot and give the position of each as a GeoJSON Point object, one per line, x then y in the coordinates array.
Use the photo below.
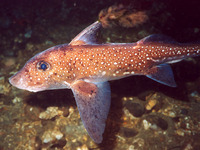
{"type": "Point", "coordinates": [143, 115]}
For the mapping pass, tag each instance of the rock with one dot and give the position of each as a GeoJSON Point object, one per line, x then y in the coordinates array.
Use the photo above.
{"type": "Point", "coordinates": [51, 135]}
{"type": "Point", "coordinates": [84, 147]}
{"type": "Point", "coordinates": [146, 124]}
{"type": "Point", "coordinates": [128, 132]}
{"type": "Point", "coordinates": [155, 122]}
{"type": "Point", "coordinates": [28, 34]}
{"type": "Point", "coordinates": [162, 123]}
{"type": "Point", "coordinates": [151, 103]}
{"type": "Point", "coordinates": [50, 113]}
{"type": "Point", "coordinates": [16, 100]}
{"type": "Point", "coordinates": [29, 46]}
{"type": "Point", "coordinates": [180, 132]}
{"type": "Point", "coordinates": [32, 112]}
{"type": "Point", "coordinates": [4, 86]}
{"type": "Point", "coordinates": [135, 108]}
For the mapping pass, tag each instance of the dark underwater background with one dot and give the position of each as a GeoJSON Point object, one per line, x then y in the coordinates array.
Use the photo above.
{"type": "Point", "coordinates": [144, 114]}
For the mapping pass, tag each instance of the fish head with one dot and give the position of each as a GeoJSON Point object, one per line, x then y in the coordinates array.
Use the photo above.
{"type": "Point", "coordinates": [38, 74]}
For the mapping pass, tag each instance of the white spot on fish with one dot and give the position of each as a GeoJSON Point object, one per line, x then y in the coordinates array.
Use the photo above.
{"type": "Point", "coordinates": [103, 73]}
{"type": "Point", "coordinates": [125, 73]}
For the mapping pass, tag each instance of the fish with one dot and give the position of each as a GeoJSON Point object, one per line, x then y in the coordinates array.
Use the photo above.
{"type": "Point", "coordinates": [85, 66]}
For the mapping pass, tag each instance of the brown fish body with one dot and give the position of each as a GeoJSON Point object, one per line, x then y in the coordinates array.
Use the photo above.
{"type": "Point", "coordinates": [109, 62]}
{"type": "Point", "coordinates": [85, 67]}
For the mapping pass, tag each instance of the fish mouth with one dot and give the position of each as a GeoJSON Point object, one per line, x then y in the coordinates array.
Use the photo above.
{"type": "Point", "coordinates": [17, 81]}
{"type": "Point", "coordinates": [20, 82]}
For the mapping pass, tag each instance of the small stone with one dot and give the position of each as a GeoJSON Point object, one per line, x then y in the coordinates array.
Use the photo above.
{"type": "Point", "coordinates": [146, 124]}
{"type": "Point", "coordinates": [58, 135]}
{"type": "Point", "coordinates": [4, 86]}
{"type": "Point", "coordinates": [28, 34]}
{"type": "Point", "coordinates": [124, 98]}
{"type": "Point", "coordinates": [156, 123]}
{"type": "Point", "coordinates": [162, 123]}
{"type": "Point", "coordinates": [2, 80]}
{"type": "Point", "coordinates": [171, 114]}
{"type": "Point", "coordinates": [50, 113]}
{"type": "Point", "coordinates": [180, 132]}
{"type": "Point", "coordinates": [32, 112]}
{"type": "Point", "coordinates": [184, 111]}
{"type": "Point", "coordinates": [135, 108]}
{"type": "Point", "coordinates": [189, 147]}
{"type": "Point", "coordinates": [50, 136]}
{"type": "Point", "coordinates": [16, 100]}
{"type": "Point", "coordinates": [131, 147]}
{"type": "Point", "coordinates": [130, 98]}
{"type": "Point", "coordinates": [65, 111]}
{"type": "Point", "coordinates": [18, 40]}
{"type": "Point", "coordinates": [29, 46]}
{"type": "Point", "coordinates": [151, 103]}
{"type": "Point", "coordinates": [48, 42]}
{"type": "Point", "coordinates": [59, 144]}
{"type": "Point", "coordinates": [195, 95]}
{"type": "Point", "coordinates": [128, 132]}
{"type": "Point", "coordinates": [47, 138]}
{"type": "Point", "coordinates": [84, 147]}
{"type": "Point", "coordinates": [138, 143]}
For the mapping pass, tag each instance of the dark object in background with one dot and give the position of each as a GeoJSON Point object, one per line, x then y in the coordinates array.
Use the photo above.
{"type": "Point", "coordinates": [123, 16]}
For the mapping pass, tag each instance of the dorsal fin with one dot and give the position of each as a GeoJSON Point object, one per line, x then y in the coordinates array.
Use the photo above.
{"type": "Point", "coordinates": [87, 36]}
{"type": "Point", "coordinates": [157, 38]}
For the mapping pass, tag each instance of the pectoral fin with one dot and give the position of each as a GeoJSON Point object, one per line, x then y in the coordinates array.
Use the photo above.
{"type": "Point", "coordinates": [162, 74]}
{"type": "Point", "coordinates": [93, 101]}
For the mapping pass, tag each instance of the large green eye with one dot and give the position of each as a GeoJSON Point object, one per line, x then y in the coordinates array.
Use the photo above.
{"type": "Point", "coordinates": [42, 65]}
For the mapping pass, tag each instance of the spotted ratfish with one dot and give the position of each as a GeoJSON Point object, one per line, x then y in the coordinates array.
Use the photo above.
{"type": "Point", "coordinates": [85, 66]}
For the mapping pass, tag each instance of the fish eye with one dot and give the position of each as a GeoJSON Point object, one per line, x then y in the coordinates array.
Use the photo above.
{"type": "Point", "coordinates": [42, 65]}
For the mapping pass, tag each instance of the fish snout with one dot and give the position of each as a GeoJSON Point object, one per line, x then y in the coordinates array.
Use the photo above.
{"type": "Point", "coordinates": [18, 80]}
{"type": "Point", "coordinates": [25, 82]}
